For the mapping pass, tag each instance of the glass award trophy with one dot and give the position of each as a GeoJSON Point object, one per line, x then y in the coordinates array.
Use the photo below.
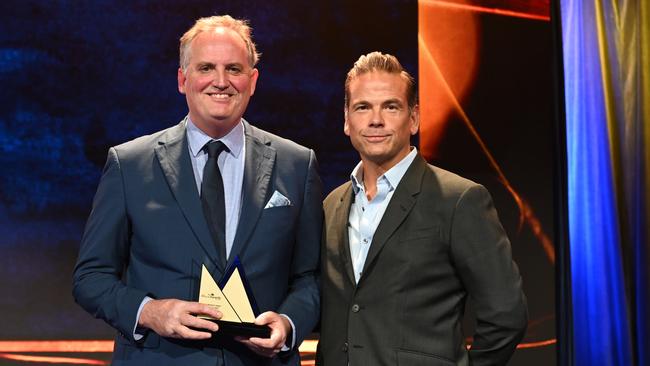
{"type": "Point", "coordinates": [234, 299]}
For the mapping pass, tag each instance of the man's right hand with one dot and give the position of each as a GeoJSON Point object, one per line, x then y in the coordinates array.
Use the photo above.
{"type": "Point", "coordinates": [174, 318]}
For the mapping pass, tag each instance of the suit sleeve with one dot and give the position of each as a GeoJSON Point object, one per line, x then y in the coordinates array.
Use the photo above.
{"type": "Point", "coordinates": [97, 280]}
{"type": "Point", "coordinates": [482, 254]}
{"type": "Point", "coordinates": [302, 303]}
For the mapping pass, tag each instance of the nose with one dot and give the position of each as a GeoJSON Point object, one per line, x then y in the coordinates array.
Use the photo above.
{"type": "Point", "coordinates": [376, 118]}
{"type": "Point", "coordinates": [220, 79]}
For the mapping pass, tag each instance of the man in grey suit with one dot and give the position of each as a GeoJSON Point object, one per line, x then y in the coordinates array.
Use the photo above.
{"type": "Point", "coordinates": [406, 243]}
{"type": "Point", "coordinates": [152, 228]}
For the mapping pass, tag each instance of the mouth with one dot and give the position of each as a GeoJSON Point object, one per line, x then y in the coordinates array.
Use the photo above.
{"type": "Point", "coordinates": [375, 138]}
{"type": "Point", "coordinates": [220, 96]}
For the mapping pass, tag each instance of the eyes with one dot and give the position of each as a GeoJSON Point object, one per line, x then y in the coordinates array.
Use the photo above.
{"type": "Point", "coordinates": [391, 106]}
{"type": "Point", "coordinates": [232, 69]}
{"type": "Point", "coordinates": [361, 107]}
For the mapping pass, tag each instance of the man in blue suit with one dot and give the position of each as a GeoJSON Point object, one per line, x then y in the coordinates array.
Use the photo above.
{"type": "Point", "coordinates": [148, 233]}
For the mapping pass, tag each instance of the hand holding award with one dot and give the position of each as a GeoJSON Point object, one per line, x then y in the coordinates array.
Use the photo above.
{"type": "Point", "coordinates": [234, 300]}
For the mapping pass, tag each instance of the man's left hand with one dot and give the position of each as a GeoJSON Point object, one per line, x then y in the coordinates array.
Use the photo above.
{"type": "Point", "coordinates": [269, 347]}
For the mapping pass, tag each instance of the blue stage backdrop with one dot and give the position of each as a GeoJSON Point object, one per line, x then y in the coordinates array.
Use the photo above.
{"type": "Point", "coordinates": [80, 76]}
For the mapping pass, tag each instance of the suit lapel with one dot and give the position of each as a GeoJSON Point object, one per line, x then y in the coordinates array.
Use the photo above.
{"type": "Point", "coordinates": [340, 219]}
{"type": "Point", "coordinates": [173, 154]}
{"type": "Point", "coordinates": [258, 168]}
{"type": "Point", "coordinates": [399, 207]}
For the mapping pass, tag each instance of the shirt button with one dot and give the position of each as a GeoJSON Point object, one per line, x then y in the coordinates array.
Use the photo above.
{"type": "Point", "coordinates": [365, 241]}
{"type": "Point", "coordinates": [355, 308]}
{"type": "Point", "coordinates": [344, 348]}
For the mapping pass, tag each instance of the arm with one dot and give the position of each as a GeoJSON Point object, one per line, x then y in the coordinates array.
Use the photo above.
{"type": "Point", "coordinates": [302, 303]}
{"type": "Point", "coordinates": [97, 284]}
{"type": "Point", "coordinates": [104, 253]}
{"type": "Point", "coordinates": [481, 253]}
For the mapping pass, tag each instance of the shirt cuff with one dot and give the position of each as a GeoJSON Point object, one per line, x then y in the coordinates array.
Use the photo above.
{"type": "Point", "coordinates": [293, 335]}
{"type": "Point", "coordinates": [138, 332]}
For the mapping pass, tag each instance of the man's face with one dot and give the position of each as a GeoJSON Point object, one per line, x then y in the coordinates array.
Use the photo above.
{"type": "Point", "coordinates": [218, 82]}
{"type": "Point", "coordinates": [378, 119]}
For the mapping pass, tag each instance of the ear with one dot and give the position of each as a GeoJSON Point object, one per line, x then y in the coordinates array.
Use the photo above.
{"type": "Point", "coordinates": [415, 119]}
{"type": "Point", "coordinates": [181, 81]}
{"type": "Point", "coordinates": [254, 75]}
{"type": "Point", "coordinates": [346, 126]}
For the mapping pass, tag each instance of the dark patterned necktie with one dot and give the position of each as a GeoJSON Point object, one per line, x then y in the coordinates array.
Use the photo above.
{"type": "Point", "coordinates": [212, 197]}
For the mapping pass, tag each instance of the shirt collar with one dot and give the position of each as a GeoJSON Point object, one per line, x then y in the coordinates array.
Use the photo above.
{"type": "Point", "coordinates": [196, 138]}
{"type": "Point", "coordinates": [393, 175]}
{"type": "Point", "coordinates": [357, 178]}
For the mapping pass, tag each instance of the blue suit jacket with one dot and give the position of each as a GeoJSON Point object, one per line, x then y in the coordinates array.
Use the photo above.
{"type": "Point", "coordinates": [147, 236]}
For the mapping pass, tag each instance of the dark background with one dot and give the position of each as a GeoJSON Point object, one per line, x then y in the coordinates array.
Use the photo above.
{"type": "Point", "coordinates": [80, 76]}
{"type": "Point", "coordinates": [510, 104]}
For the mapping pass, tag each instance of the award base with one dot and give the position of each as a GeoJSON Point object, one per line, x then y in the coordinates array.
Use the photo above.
{"type": "Point", "coordinates": [246, 330]}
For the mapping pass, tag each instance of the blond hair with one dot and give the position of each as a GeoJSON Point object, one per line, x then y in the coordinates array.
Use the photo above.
{"type": "Point", "coordinates": [377, 61]}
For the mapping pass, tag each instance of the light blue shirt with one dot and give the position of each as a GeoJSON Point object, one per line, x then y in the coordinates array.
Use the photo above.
{"type": "Point", "coordinates": [231, 166]}
{"type": "Point", "coordinates": [365, 215]}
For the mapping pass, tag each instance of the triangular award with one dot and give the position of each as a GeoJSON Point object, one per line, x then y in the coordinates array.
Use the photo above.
{"type": "Point", "coordinates": [210, 294]}
{"type": "Point", "coordinates": [234, 299]}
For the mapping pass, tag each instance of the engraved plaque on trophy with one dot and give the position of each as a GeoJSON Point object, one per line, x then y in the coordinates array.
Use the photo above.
{"type": "Point", "coordinates": [234, 299]}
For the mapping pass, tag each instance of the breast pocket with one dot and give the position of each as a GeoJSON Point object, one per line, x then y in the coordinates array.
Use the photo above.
{"type": "Point", "coordinates": [431, 233]}
{"type": "Point", "coordinates": [279, 213]}
{"type": "Point", "coordinates": [423, 246]}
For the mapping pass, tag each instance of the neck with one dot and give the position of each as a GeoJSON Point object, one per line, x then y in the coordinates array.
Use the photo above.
{"type": "Point", "coordinates": [374, 169]}
{"type": "Point", "coordinates": [371, 172]}
{"type": "Point", "coordinates": [215, 130]}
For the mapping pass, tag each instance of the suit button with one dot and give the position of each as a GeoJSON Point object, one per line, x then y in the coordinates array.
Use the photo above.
{"type": "Point", "coordinates": [355, 308]}
{"type": "Point", "coordinates": [345, 347]}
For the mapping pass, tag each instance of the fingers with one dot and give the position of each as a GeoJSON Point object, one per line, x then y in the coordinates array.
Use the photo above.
{"type": "Point", "coordinates": [262, 351]}
{"type": "Point", "coordinates": [269, 347]}
{"type": "Point", "coordinates": [175, 318]}
{"type": "Point", "coordinates": [266, 318]}
{"type": "Point", "coordinates": [192, 321]}
{"type": "Point", "coordinates": [275, 342]}
{"type": "Point", "coordinates": [183, 332]}
{"type": "Point", "coordinates": [202, 309]}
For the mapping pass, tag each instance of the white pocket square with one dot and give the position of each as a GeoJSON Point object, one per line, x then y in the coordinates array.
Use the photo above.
{"type": "Point", "coordinates": [277, 200]}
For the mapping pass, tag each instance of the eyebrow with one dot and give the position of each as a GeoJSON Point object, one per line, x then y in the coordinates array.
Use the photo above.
{"type": "Point", "coordinates": [204, 63]}
{"type": "Point", "coordinates": [393, 101]}
{"type": "Point", "coordinates": [212, 64]}
{"type": "Point", "coordinates": [358, 103]}
{"type": "Point", "coordinates": [383, 103]}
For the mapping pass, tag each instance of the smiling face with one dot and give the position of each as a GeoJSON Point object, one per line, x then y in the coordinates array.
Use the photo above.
{"type": "Point", "coordinates": [218, 81]}
{"type": "Point", "coordinates": [378, 119]}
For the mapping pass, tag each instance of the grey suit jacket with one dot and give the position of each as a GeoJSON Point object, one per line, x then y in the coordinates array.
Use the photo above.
{"type": "Point", "coordinates": [146, 235]}
{"type": "Point", "coordinates": [438, 242]}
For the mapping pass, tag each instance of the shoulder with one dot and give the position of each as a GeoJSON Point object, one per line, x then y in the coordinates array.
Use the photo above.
{"type": "Point", "coordinates": [435, 185]}
{"type": "Point", "coordinates": [280, 144]}
{"type": "Point", "coordinates": [144, 145]}
{"type": "Point", "coordinates": [445, 182]}
{"type": "Point", "coordinates": [449, 179]}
